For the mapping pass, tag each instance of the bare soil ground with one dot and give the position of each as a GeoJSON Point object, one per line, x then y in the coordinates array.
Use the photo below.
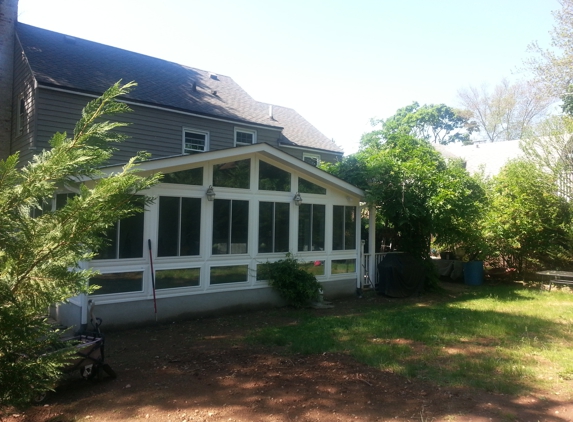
{"type": "Point", "coordinates": [201, 370]}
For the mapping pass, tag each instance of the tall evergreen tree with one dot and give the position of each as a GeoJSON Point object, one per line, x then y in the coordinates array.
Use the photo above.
{"type": "Point", "coordinates": [41, 247]}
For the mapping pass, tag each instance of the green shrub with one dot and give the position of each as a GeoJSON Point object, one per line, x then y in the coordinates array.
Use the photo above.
{"type": "Point", "coordinates": [295, 285]}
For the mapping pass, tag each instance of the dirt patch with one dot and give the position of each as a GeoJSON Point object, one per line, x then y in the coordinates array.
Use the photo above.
{"type": "Point", "coordinates": [201, 370]}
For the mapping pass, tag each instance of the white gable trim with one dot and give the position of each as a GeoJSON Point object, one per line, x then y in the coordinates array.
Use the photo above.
{"type": "Point", "coordinates": [183, 162]}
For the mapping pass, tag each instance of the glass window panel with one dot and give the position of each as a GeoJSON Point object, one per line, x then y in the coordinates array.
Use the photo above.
{"type": "Point", "coordinates": [337, 227]}
{"type": "Point", "coordinates": [274, 221]}
{"type": "Point", "coordinates": [63, 198]}
{"type": "Point", "coordinates": [318, 223]}
{"type": "Point", "coordinates": [273, 178]}
{"type": "Point", "coordinates": [221, 226]}
{"type": "Point", "coordinates": [343, 266]}
{"type": "Point", "coordinates": [304, 186]}
{"type": "Point", "coordinates": [266, 214]}
{"type": "Point", "coordinates": [282, 227]}
{"type": "Point", "coordinates": [313, 267]}
{"type": "Point", "coordinates": [195, 142]}
{"type": "Point", "coordinates": [244, 137]}
{"type": "Point", "coordinates": [118, 282]}
{"type": "Point", "coordinates": [240, 227]}
{"type": "Point", "coordinates": [109, 250]}
{"type": "Point", "coordinates": [229, 274]}
{"type": "Point", "coordinates": [190, 226]}
{"type": "Point", "coordinates": [304, 227]}
{"type": "Point", "coordinates": [168, 230]}
{"type": "Point", "coordinates": [185, 177]}
{"type": "Point", "coordinates": [343, 227]}
{"type": "Point", "coordinates": [260, 273]}
{"type": "Point", "coordinates": [131, 237]}
{"type": "Point", "coordinates": [230, 226]}
{"type": "Point", "coordinates": [234, 174]}
{"type": "Point", "coordinates": [182, 277]}
{"type": "Point", "coordinates": [350, 228]}
{"type": "Point", "coordinates": [311, 159]}
{"type": "Point", "coordinates": [125, 239]}
{"type": "Point", "coordinates": [46, 206]}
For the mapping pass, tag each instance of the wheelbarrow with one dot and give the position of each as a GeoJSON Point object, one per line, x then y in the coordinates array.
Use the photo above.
{"type": "Point", "coordinates": [89, 357]}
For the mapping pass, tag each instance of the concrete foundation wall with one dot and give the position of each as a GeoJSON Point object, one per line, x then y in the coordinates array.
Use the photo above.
{"type": "Point", "coordinates": [68, 315]}
{"type": "Point", "coordinates": [339, 288]}
{"type": "Point", "coordinates": [125, 314]}
{"type": "Point", "coordinates": [183, 307]}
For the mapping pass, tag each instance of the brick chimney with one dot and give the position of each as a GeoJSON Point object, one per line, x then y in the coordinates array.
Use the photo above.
{"type": "Point", "coordinates": [8, 18]}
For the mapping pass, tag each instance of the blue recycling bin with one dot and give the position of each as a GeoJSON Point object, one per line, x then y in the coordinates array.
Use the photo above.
{"type": "Point", "coordinates": [473, 273]}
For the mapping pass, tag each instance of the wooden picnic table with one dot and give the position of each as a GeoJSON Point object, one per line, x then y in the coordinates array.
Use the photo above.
{"type": "Point", "coordinates": [555, 277]}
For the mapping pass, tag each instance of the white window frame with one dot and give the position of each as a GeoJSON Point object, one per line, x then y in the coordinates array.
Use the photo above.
{"type": "Point", "coordinates": [312, 156]}
{"type": "Point", "coordinates": [250, 131]}
{"type": "Point", "coordinates": [198, 132]}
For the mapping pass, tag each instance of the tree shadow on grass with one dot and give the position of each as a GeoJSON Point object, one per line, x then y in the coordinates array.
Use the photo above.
{"type": "Point", "coordinates": [444, 340]}
{"type": "Point", "coordinates": [306, 365]}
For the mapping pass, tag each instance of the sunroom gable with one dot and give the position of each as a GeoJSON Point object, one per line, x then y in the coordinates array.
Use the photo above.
{"type": "Point", "coordinates": [262, 151]}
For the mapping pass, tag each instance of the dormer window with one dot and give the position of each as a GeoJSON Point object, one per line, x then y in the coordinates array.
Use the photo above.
{"type": "Point", "coordinates": [195, 141]}
{"type": "Point", "coordinates": [245, 137]}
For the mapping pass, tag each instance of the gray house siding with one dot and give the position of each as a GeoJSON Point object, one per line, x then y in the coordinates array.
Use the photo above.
{"type": "Point", "coordinates": [55, 113]}
{"type": "Point", "coordinates": [23, 88]}
{"type": "Point", "coordinates": [299, 152]}
{"type": "Point", "coordinates": [8, 17]}
{"type": "Point", "coordinates": [328, 156]}
{"type": "Point", "coordinates": [157, 131]}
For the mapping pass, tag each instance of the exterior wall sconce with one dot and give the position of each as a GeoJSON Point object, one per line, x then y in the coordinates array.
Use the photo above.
{"type": "Point", "coordinates": [210, 194]}
{"type": "Point", "coordinates": [297, 199]}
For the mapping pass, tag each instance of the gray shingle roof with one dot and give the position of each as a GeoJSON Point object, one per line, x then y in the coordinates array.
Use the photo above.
{"type": "Point", "coordinates": [297, 130]}
{"type": "Point", "coordinates": [58, 60]}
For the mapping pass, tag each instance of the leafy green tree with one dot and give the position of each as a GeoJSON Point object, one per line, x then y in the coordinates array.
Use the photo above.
{"type": "Point", "coordinates": [416, 191]}
{"type": "Point", "coordinates": [528, 224]}
{"type": "Point", "coordinates": [435, 123]}
{"type": "Point", "coordinates": [567, 98]}
{"type": "Point", "coordinates": [40, 252]}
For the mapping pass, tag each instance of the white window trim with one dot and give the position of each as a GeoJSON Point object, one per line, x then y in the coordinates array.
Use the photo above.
{"type": "Point", "coordinates": [313, 156]}
{"type": "Point", "coordinates": [240, 129]}
{"type": "Point", "coordinates": [191, 130]}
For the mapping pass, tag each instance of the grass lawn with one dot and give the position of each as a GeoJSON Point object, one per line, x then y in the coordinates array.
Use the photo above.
{"type": "Point", "coordinates": [505, 338]}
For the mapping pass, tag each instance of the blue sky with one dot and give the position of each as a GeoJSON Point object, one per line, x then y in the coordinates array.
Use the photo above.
{"type": "Point", "coordinates": [338, 63]}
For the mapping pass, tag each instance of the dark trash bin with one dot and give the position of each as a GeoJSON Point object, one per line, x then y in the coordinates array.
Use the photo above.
{"type": "Point", "coordinates": [400, 275]}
